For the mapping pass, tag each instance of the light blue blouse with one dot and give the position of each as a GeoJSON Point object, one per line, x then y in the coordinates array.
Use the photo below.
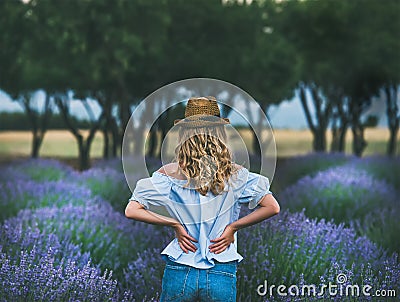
{"type": "Point", "coordinates": [204, 217]}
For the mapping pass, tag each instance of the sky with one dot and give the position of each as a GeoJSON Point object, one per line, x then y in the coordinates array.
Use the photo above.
{"type": "Point", "coordinates": [287, 115]}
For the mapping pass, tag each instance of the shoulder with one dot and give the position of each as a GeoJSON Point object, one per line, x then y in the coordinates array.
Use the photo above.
{"type": "Point", "coordinates": [238, 170]}
{"type": "Point", "coordinates": [244, 177]}
{"type": "Point", "coordinates": [239, 175]}
{"type": "Point", "coordinates": [168, 168]}
{"type": "Point", "coordinates": [158, 182]}
{"type": "Point", "coordinates": [172, 170]}
{"type": "Point", "coordinates": [237, 167]}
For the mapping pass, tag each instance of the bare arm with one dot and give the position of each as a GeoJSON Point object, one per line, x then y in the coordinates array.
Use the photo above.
{"type": "Point", "coordinates": [135, 210]}
{"type": "Point", "coordinates": [268, 207]}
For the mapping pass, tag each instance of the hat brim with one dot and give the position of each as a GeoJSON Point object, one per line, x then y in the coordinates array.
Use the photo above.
{"type": "Point", "coordinates": [202, 121]}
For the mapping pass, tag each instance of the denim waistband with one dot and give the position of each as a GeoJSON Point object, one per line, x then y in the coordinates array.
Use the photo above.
{"type": "Point", "coordinates": [217, 263]}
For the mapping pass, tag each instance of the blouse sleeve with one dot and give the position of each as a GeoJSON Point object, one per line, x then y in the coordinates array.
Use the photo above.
{"type": "Point", "coordinates": [152, 191]}
{"type": "Point", "coordinates": [254, 188]}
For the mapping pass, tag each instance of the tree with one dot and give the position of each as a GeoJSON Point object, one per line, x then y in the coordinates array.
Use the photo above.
{"type": "Point", "coordinates": [229, 41]}
{"type": "Point", "coordinates": [342, 69]}
{"type": "Point", "coordinates": [84, 144]}
{"type": "Point", "coordinates": [386, 47]}
{"type": "Point", "coordinates": [266, 63]}
{"type": "Point", "coordinates": [123, 51]}
{"type": "Point", "coordinates": [393, 116]}
{"type": "Point", "coordinates": [39, 121]}
{"type": "Point", "coordinates": [375, 60]}
{"type": "Point", "coordinates": [18, 75]}
{"type": "Point", "coordinates": [80, 47]}
{"type": "Point", "coordinates": [310, 26]}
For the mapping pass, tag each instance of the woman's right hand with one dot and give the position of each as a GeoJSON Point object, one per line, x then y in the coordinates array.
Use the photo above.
{"type": "Point", "coordinates": [221, 243]}
{"type": "Point", "coordinates": [184, 239]}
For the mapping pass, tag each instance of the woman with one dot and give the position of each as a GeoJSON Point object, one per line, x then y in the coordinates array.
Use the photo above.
{"type": "Point", "coordinates": [203, 191]}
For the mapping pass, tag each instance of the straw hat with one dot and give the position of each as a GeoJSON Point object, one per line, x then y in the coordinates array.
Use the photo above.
{"type": "Point", "coordinates": [202, 112]}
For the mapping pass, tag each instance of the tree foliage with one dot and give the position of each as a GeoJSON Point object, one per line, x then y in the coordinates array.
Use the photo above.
{"type": "Point", "coordinates": [336, 55]}
{"type": "Point", "coordinates": [348, 53]}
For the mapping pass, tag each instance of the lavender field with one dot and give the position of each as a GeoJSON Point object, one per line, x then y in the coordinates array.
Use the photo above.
{"type": "Point", "coordinates": [64, 236]}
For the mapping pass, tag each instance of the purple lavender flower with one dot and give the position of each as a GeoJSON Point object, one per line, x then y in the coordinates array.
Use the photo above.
{"type": "Point", "coordinates": [18, 194]}
{"type": "Point", "coordinates": [289, 170]}
{"type": "Point", "coordinates": [15, 239]}
{"type": "Point", "coordinates": [29, 279]}
{"type": "Point", "coordinates": [382, 227]}
{"type": "Point", "coordinates": [293, 249]}
{"type": "Point", "coordinates": [382, 167]}
{"type": "Point", "coordinates": [144, 274]}
{"type": "Point", "coordinates": [107, 183]}
{"type": "Point", "coordinates": [341, 193]}
{"type": "Point", "coordinates": [351, 195]}
{"type": "Point", "coordinates": [38, 169]}
{"type": "Point", "coordinates": [112, 240]}
{"type": "Point", "coordinates": [64, 247]}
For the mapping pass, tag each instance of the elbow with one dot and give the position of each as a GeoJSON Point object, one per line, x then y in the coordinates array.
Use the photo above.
{"type": "Point", "coordinates": [271, 205]}
{"type": "Point", "coordinates": [276, 208]}
{"type": "Point", "coordinates": [134, 210]}
{"type": "Point", "coordinates": [129, 212]}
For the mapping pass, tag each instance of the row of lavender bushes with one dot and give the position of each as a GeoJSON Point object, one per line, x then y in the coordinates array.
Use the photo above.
{"type": "Point", "coordinates": [64, 237]}
{"type": "Point", "coordinates": [361, 193]}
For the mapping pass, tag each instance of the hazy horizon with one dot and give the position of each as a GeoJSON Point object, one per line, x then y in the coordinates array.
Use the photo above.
{"type": "Point", "coordinates": [289, 114]}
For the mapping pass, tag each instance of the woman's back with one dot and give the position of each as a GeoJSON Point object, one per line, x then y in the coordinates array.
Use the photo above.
{"type": "Point", "coordinates": [203, 216]}
{"type": "Point", "coordinates": [203, 192]}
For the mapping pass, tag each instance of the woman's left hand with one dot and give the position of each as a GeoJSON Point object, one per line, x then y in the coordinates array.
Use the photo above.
{"type": "Point", "coordinates": [221, 243]}
{"type": "Point", "coordinates": [184, 239]}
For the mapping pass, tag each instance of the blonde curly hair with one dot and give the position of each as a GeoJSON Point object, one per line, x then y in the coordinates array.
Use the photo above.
{"type": "Point", "coordinates": [204, 158]}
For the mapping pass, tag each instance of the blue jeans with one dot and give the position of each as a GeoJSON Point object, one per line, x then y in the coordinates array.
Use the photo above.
{"type": "Point", "coordinates": [185, 283]}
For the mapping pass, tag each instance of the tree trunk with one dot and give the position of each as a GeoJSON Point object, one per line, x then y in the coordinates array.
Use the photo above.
{"type": "Point", "coordinates": [340, 123]}
{"type": "Point", "coordinates": [393, 118]}
{"type": "Point", "coordinates": [106, 146]}
{"type": "Point", "coordinates": [359, 142]}
{"type": "Point", "coordinates": [105, 130]}
{"type": "Point", "coordinates": [320, 140]}
{"type": "Point", "coordinates": [342, 138]}
{"type": "Point", "coordinates": [344, 124]}
{"type": "Point", "coordinates": [338, 138]}
{"type": "Point", "coordinates": [83, 145]}
{"type": "Point", "coordinates": [116, 145]}
{"type": "Point", "coordinates": [255, 162]}
{"type": "Point", "coordinates": [38, 122]}
{"type": "Point", "coordinates": [84, 155]}
{"type": "Point", "coordinates": [165, 122]}
{"type": "Point", "coordinates": [318, 129]}
{"type": "Point", "coordinates": [357, 128]}
{"type": "Point", "coordinates": [392, 144]}
{"type": "Point", "coordinates": [125, 114]}
{"type": "Point", "coordinates": [138, 143]}
{"type": "Point", "coordinates": [111, 137]}
{"type": "Point", "coordinates": [335, 134]}
{"type": "Point", "coordinates": [36, 143]}
{"type": "Point", "coordinates": [163, 142]}
{"type": "Point", "coordinates": [152, 142]}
